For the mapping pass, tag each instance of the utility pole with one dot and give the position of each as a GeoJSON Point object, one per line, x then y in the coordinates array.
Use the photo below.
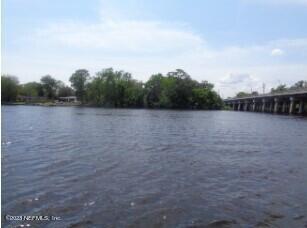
{"type": "Point", "coordinates": [263, 88]}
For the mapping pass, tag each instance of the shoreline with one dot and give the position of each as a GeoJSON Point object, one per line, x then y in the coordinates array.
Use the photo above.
{"type": "Point", "coordinates": [51, 104]}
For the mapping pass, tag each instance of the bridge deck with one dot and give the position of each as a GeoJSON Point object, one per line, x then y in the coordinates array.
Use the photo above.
{"type": "Point", "coordinates": [271, 95]}
{"type": "Point", "coordinates": [291, 101]}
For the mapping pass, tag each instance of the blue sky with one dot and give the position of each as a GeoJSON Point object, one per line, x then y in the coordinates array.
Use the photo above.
{"type": "Point", "coordinates": [236, 44]}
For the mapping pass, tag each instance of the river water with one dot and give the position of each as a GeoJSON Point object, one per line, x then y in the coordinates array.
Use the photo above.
{"type": "Point", "coordinates": [93, 167]}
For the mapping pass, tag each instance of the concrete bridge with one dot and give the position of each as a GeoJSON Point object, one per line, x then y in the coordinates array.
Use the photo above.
{"type": "Point", "coordinates": [288, 102]}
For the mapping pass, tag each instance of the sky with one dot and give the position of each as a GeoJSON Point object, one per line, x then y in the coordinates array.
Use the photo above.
{"type": "Point", "coordinates": [239, 45]}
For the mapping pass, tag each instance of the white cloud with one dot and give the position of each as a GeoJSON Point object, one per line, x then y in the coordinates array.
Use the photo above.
{"type": "Point", "coordinates": [234, 79]}
{"type": "Point", "coordinates": [147, 47]}
{"type": "Point", "coordinates": [239, 82]}
{"type": "Point", "coordinates": [122, 36]}
{"type": "Point", "coordinates": [277, 52]}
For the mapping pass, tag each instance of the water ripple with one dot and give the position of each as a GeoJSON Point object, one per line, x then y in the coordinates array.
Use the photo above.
{"type": "Point", "coordinates": [148, 168]}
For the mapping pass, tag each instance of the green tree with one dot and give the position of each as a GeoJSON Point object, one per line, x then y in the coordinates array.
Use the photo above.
{"type": "Point", "coordinates": [9, 88]}
{"type": "Point", "coordinates": [168, 94]}
{"type": "Point", "coordinates": [299, 85]}
{"type": "Point", "coordinates": [94, 91]}
{"type": "Point", "coordinates": [180, 92]}
{"type": "Point", "coordinates": [280, 88]}
{"type": "Point", "coordinates": [78, 82]}
{"type": "Point", "coordinates": [201, 98]}
{"type": "Point", "coordinates": [206, 98]}
{"type": "Point", "coordinates": [153, 92]}
{"type": "Point", "coordinates": [111, 88]}
{"type": "Point", "coordinates": [32, 89]}
{"type": "Point", "coordinates": [64, 91]}
{"type": "Point", "coordinates": [134, 94]}
{"type": "Point", "coordinates": [50, 86]}
{"type": "Point", "coordinates": [109, 78]}
{"type": "Point", "coordinates": [242, 94]}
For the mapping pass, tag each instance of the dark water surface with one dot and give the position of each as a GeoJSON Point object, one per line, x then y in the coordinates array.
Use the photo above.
{"type": "Point", "coordinates": [143, 168]}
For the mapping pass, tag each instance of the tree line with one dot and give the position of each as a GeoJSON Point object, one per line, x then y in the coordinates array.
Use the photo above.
{"type": "Point", "coordinates": [110, 88]}
{"type": "Point", "coordinates": [283, 87]}
{"type": "Point", "coordinates": [48, 88]}
{"type": "Point", "coordinates": [279, 89]}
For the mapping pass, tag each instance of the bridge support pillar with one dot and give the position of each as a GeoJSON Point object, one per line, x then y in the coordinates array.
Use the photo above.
{"type": "Point", "coordinates": [301, 107]}
{"type": "Point", "coordinates": [245, 106]}
{"type": "Point", "coordinates": [271, 106]}
{"type": "Point", "coordinates": [275, 105]}
{"type": "Point", "coordinates": [254, 106]}
{"type": "Point", "coordinates": [291, 105]}
{"type": "Point", "coordinates": [239, 106]}
{"type": "Point", "coordinates": [263, 105]}
{"type": "Point", "coordinates": [284, 107]}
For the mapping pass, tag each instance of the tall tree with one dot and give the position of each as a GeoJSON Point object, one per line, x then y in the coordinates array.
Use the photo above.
{"type": "Point", "coordinates": [299, 85]}
{"type": "Point", "coordinates": [9, 88]}
{"type": "Point", "coordinates": [280, 88]}
{"type": "Point", "coordinates": [64, 90]}
{"type": "Point", "coordinates": [153, 89]}
{"type": "Point", "coordinates": [182, 94]}
{"type": "Point", "coordinates": [178, 90]}
{"type": "Point", "coordinates": [78, 81]}
{"type": "Point", "coordinates": [115, 89]}
{"type": "Point", "coordinates": [242, 94]}
{"type": "Point", "coordinates": [50, 86]}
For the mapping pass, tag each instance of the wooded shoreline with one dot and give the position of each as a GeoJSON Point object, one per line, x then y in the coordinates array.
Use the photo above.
{"type": "Point", "coordinates": [104, 107]}
{"type": "Point", "coordinates": [116, 89]}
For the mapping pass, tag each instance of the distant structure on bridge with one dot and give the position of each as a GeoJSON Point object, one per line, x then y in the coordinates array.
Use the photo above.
{"type": "Point", "coordinates": [288, 102]}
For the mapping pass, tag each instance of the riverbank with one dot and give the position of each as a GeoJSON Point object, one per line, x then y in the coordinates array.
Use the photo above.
{"type": "Point", "coordinates": [49, 104]}
{"type": "Point", "coordinates": [79, 104]}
